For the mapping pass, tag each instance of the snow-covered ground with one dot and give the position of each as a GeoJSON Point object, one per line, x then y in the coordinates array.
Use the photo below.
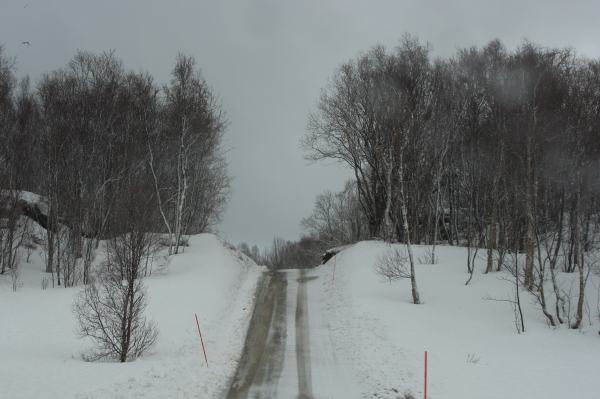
{"type": "Point", "coordinates": [40, 354]}
{"type": "Point", "coordinates": [365, 338]}
{"type": "Point", "coordinates": [474, 350]}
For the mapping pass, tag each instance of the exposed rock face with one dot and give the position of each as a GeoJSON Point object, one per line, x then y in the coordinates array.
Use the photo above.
{"type": "Point", "coordinates": [331, 252]}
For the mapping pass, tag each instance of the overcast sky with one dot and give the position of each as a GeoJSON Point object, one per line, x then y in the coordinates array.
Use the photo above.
{"type": "Point", "coordinates": [267, 61]}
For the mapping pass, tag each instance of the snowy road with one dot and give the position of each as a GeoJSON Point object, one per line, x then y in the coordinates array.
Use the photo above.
{"type": "Point", "coordinates": [289, 348]}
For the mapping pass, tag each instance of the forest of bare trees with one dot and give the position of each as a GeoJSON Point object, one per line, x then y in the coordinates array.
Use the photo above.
{"type": "Point", "coordinates": [97, 158]}
{"type": "Point", "coordinates": [494, 149]}
{"type": "Point", "coordinates": [87, 136]}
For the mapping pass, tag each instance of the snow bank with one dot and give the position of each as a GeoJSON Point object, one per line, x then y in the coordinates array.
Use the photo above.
{"type": "Point", "coordinates": [40, 353]}
{"type": "Point", "coordinates": [474, 350]}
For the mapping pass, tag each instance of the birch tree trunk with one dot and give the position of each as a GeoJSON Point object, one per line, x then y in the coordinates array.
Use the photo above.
{"type": "Point", "coordinates": [388, 230]}
{"type": "Point", "coordinates": [182, 183]}
{"type": "Point", "coordinates": [492, 233]}
{"type": "Point", "coordinates": [435, 222]}
{"type": "Point", "coordinates": [436, 212]}
{"type": "Point", "coordinates": [159, 198]}
{"type": "Point", "coordinates": [559, 300]}
{"type": "Point", "coordinates": [413, 277]}
{"type": "Point", "coordinates": [580, 265]}
{"type": "Point", "coordinates": [529, 209]}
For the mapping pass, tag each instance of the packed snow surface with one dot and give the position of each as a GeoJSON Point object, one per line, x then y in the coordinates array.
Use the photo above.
{"type": "Point", "coordinates": [40, 353]}
{"type": "Point", "coordinates": [290, 352]}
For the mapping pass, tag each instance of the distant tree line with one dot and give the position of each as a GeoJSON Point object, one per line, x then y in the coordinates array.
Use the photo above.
{"type": "Point", "coordinates": [491, 148]}
{"type": "Point", "coordinates": [284, 254]}
{"type": "Point", "coordinates": [89, 136]}
{"type": "Point", "coordinates": [337, 219]}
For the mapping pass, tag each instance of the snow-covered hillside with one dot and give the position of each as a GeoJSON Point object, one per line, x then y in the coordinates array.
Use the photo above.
{"type": "Point", "coordinates": [474, 350]}
{"type": "Point", "coordinates": [40, 354]}
{"type": "Point", "coordinates": [357, 321]}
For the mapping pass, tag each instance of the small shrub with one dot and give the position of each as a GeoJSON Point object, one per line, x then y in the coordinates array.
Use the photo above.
{"type": "Point", "coordinates": [110, 309]}
{"type": "Point", "coordinates": [428, 257]}
{"type": "Point", "coordinates": [393, 265]}
{"type": "Point", "coordinates": [472, 358]}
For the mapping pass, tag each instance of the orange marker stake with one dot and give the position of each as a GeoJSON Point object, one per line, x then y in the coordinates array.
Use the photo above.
{"type": "Point", "coordinates": [425, 380]}
{"type": "Point", "coordinates": [201, 340]}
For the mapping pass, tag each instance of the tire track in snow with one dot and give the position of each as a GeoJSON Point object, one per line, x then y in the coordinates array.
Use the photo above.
{"type": "Point", "coordinates": [263, 355]}
{"type": "Point", "coordinates": [275, 364]}
{"type": "Point", "coordinates": [303, 360]}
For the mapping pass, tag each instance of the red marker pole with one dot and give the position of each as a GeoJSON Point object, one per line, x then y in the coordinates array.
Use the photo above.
{"type": "Point", "coordinates": [201, 340]}
{"type": "Point", "coordinates": [425, 380]}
